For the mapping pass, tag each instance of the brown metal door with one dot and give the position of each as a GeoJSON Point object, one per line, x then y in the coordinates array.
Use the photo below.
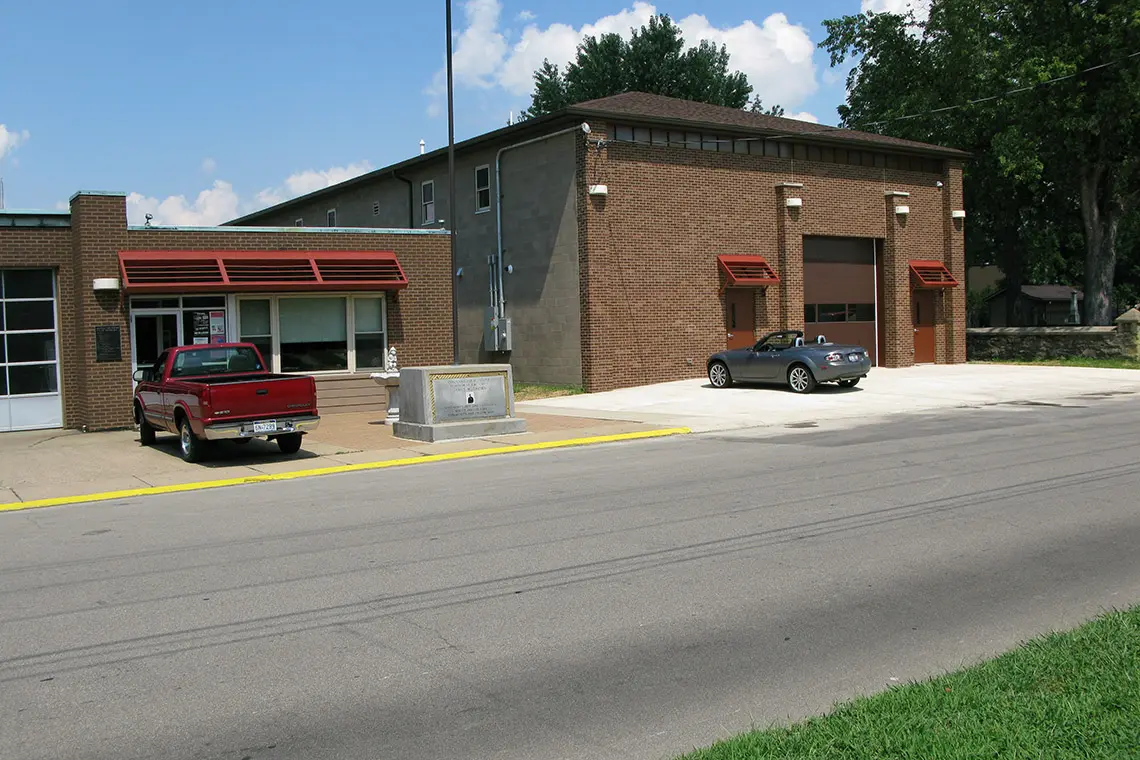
{"type": "Point", "coordinates": [739, 318]}
{"type": "Point", "coordinates": [922, 305]}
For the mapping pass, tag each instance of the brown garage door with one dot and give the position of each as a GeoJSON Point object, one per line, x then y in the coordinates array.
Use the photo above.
{"type": "Point", "coordinates": [839, 290]}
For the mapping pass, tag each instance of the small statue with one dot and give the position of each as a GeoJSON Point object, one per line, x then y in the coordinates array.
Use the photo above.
{"type": "Point", "coordinates": [390, 360]}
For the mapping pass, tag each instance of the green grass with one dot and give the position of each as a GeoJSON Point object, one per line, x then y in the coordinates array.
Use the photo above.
{"type": "Point", "coordinates": [534, 391]}
{"type": "Point", "coordinates": [1067, 695]}
{"type": "Point", "coordinates": [1077, 361]}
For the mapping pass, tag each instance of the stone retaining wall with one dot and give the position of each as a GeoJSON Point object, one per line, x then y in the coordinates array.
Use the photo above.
{"type": "Point", "coordinates": [1037, 343]}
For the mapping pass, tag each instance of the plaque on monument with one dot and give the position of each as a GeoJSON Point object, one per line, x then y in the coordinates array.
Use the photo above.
{"type": "Point", "coordinates": [108, 344]}
{"type": "Point", "coordinates": [458, 398]}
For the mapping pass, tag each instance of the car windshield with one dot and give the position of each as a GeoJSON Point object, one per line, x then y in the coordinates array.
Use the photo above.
{"type": "Point", "coordinates": [780, 341]}
{"type": "Point", "coordinates": [215, 361]}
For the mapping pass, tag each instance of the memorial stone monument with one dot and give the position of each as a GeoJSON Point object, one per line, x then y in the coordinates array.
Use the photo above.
{"type": "Point", "coordinates": [459, 401]}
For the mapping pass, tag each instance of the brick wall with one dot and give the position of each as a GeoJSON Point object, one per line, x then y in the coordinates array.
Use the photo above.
{"type": "Point", "coordinates": [651, 306]}
{"type": "Point", "coordinates": [97, 395]}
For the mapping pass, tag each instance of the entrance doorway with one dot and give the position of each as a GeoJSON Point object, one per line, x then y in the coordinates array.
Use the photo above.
{"type": "Point", "coordinates": [922, 306]}
{"type": "Point", "coordinates": [739, 318]}
{"type": "Point", "coordinates": [152, 333]}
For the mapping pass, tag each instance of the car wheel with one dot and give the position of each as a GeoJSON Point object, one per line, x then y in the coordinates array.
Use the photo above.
{"type": "Point", "coordinates": [290, 443]}
{"type": "Point", "coordinates": [146, 432]}
{"type": "Point", "coordinates": [188, 443]}
{"type": "Point", "coordinates": [800, 379]}
{"type": "Point", "coordinates": [719, 375]}
{"type": "Point", "coordinates": [849, 383]}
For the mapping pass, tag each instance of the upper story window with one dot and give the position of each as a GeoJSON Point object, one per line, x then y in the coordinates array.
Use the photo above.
{"type": "Point", "coordinates": [299, 222]}
{"type": "Point", "coordinates": [482, 189]}
{"type": "Point", "coordinates": [332, 217]}
{"type": "Point", "coordinates": [427, 202]}
{"type": "Point", "coordinates": [772, 147]}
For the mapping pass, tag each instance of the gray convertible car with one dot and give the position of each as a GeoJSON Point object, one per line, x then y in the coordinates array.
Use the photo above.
{"type": "Point", "coordinates": [785, 358]}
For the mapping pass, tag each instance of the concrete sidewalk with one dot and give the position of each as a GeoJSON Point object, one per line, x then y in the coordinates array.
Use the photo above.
{"type": "Point", "coordinates": [59, 463]}
{"type": "Point", "coordinates": [697, 405]}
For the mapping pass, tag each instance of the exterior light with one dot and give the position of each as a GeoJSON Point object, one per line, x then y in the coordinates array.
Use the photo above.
{"type": "Point", "coordinates": [960, 214]}
{"type": "Point", "coordinates": [105, 283]}
{"type": "Point", "coordinates": [794, 202]}
{"type": "Point", "coordinates": [902, 210]}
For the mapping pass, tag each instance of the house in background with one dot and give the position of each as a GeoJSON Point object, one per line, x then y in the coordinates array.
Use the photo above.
{"type": "Point", "coordinates": [1040, 306]}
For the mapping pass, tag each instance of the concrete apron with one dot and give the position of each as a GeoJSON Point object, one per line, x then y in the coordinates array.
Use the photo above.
{"type": "Point", "coordinates": [929, 388]}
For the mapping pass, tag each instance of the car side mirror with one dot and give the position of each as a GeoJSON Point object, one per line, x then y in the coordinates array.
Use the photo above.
{"type": "Point", "coordinates": [139, 375]}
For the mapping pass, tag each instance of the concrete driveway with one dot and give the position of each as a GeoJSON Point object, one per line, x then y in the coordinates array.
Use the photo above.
{"type": "Point", "coordinates": [697, 405]}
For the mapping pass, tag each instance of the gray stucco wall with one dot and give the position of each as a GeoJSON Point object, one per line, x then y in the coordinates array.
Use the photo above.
{"type": "Point", "coordinates": [540, 239]}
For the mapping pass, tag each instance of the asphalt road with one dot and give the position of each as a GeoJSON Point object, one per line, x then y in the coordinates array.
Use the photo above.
{"type": "Point", "coordinates": [625, 601]}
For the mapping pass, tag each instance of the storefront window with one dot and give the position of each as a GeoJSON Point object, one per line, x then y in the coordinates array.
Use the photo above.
{"type": "Point", "coordinates": [314, 334]}
{"type": "Point", "coordinates": [255, 321]}
{"type": "Point", "coordinates": [369, 332]}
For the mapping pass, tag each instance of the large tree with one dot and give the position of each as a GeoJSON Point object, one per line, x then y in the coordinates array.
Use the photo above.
{"type": "Point", "coordinates": [1048, 150]}
{"type": "Point", "coordinates": [654, 60]}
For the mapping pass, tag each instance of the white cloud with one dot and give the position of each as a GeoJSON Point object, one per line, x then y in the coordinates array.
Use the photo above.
{"type": "Point", "coordinates": [62, 206]}
{"type": "Point", "coordinates": [921, 8]}
{"type": "Point", "coordinates": [803, 116]}
{"type": "Point", "coordinates": [12, 139]}
{"type": "Point", "coordinates": [526, 16]}
{"type": "Point", "coordinates": [775, 54]}
{"type": "Point", "coordinates": [221, 203]}
{"type": "Point", "coordinates": [216, 204]}
{"type": "Point", "coordinates": [480, 46]}
{"type": "Point", "coordinates": [209, 165]}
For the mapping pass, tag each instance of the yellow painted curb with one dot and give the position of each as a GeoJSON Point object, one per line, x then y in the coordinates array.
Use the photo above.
{"type": "Point", "coordinates": [155, 490]}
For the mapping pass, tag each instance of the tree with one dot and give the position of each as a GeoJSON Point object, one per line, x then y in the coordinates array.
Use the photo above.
{"type": "Point", "coordinates": [757, 106]}
{"type": "Point", "coordinates": [654, 60]}
{"type": "Point", "coordinates": [1045, 152]}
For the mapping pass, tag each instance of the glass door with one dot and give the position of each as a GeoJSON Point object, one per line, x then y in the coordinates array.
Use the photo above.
{"type": "Point", "coordinates": [151, 334]}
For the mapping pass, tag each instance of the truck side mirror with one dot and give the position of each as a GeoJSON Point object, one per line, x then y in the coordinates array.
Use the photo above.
{"type": "Point", "coordinates": [139, 375]}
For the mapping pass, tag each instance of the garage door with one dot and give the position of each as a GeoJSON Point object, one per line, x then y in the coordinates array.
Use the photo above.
{"type": "Point", "coordinates": [29, 351]}
{"type": "Point", "coordinates": [839, 290]}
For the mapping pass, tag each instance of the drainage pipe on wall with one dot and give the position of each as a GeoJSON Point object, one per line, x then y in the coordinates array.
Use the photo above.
{"type": "Point", "coordinates": [498, 302]}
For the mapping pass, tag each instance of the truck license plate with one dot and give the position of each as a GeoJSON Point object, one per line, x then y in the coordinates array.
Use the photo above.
{"type": "Point", "coordinates": [265, 427]}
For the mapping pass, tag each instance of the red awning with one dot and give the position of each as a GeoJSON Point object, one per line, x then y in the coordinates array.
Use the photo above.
{"type": "Point", "coordinates": [250, 271]}
{"type": "Point", "coordinates": [746, 271]}
{"type": "Point", "coordinates": [932, 274]}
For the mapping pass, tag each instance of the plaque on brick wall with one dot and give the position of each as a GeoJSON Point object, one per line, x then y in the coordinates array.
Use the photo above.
{"type": "Point", "coordinates": [108, 344]}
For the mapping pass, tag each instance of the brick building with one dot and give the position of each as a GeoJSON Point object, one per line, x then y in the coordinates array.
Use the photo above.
{"type": "Point", "coordinates": [85, 299]}
{"type": "Point", "coordinates": [627, 252]}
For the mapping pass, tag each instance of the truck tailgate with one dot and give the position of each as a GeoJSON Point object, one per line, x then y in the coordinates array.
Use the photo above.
{"type": "Point", "coordinates": [263, 398]}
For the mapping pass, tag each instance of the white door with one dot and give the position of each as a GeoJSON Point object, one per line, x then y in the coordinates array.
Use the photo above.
{"type": "Point", "coordinates": [29, 351]}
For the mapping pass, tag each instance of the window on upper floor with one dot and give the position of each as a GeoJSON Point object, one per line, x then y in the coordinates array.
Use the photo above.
{"type": "Point", "coordinates": [299, 222]}
{"type": "Point", "coordinates": [427, 202]}
{"type": "Point", "coordinates": [482, 189]}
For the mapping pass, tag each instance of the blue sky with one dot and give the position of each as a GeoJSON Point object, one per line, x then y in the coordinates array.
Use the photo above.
{"type": "Point", "coordinates": [203, 111]}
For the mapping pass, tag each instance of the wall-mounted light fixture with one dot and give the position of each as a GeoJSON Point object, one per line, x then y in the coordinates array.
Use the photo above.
{"type": "Point", "coordinates": [958, 214]}
{"type": "Point", "coordinates": [794, 202]}
{"type": "Point", "coordinates": [105, 283]}
{"type": "Point", "coordinates": [902, 210]}
{"type": "Point", "coordinates": [600, 190]}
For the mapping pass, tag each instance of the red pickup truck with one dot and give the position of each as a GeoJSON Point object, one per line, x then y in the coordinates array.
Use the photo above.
{"type": "Point", "coordinates": [222, 391]}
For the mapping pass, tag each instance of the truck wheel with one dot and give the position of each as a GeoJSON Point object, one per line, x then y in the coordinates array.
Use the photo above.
{"type": "Point", "coordinates": [189, 445]}
{"type": "Point", "coordinates": [289, 443]}
{"type": "Point", "coordinates": [146, 432]}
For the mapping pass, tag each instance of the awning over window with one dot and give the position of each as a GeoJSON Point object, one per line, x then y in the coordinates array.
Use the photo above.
{"type": "Point", "coordinates": [746, 271]}
{"type": "Point", "coordinates": [252, 271]}
{"type": "Point", "coordinates": [932, 274]}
